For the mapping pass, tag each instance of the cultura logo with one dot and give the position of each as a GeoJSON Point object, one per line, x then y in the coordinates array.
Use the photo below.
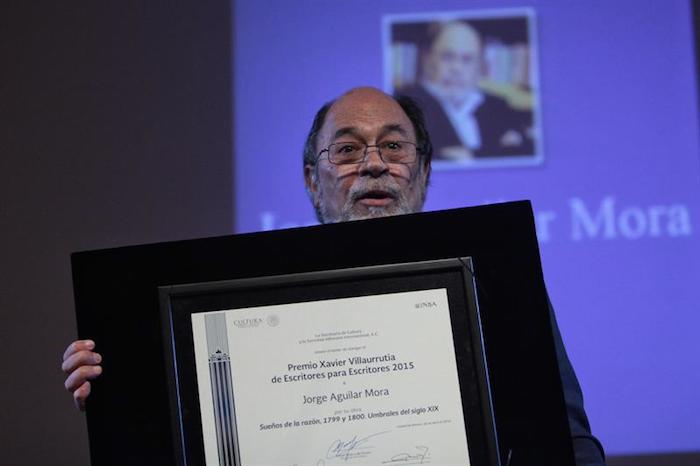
{"type": "Point", "coordinates": [247, 323]}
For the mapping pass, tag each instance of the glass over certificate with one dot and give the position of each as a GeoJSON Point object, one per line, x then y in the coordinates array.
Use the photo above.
{"type": "Point", "coordinates": [381, 365]}
{"type": "Point", "coordinates": [368, 380]}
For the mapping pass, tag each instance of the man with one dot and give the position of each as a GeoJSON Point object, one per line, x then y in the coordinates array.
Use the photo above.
{"type": "Point", "coordinates": [349, 179]}
{"type": "Point", "coordinates": [463, 121]}
{"type": "Point", "coordinates": [367, 155]}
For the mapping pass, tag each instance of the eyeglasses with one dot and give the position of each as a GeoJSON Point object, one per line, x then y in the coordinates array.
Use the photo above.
{"type": "Point", "coordinates": [346, 152]}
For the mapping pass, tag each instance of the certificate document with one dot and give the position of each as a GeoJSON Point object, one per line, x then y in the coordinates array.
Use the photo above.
{"type": "Point", "coordinates": [369, 380]}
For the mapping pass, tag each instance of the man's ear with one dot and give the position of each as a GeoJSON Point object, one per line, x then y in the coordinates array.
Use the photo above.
{"type": "Point", "coordinates": [311, 182]}
{"type": "Point", "coordinates": [427, 169]}
{"type": "Point", "coordinates": [425, 179]}
{"type": "Point", "coordinates": [428, 70]}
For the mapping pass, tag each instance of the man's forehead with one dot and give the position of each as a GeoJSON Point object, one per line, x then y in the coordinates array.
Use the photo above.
{"type": "Point", "coordinates": [365, 132]}
{"type": "Point", "coordinates": [366, 112]}
{"type": "Point", "coordinates": [457, 36]}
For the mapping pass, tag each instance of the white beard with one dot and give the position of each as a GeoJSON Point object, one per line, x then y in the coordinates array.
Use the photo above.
{"type": "Point", "coordinates": [351, 210]}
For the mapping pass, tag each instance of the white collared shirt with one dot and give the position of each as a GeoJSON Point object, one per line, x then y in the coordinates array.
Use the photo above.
{"type": "Point", "coordinates": [461, 116]}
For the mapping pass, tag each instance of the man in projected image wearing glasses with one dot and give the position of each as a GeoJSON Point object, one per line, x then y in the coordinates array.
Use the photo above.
{"type": "Point", "coordinates": [465, 121]}
{"type": "Point", "coordinates": [367, 155]}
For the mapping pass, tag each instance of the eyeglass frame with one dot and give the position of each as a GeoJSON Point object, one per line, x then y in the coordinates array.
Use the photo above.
{"type": "Point", "coordinates": [366, 152]}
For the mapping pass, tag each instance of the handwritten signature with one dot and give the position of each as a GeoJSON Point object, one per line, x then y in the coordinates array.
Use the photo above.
{"type": "Point", "coordinates": [421, 457]}
{"type": "Point", "coordinates": [353, 448]}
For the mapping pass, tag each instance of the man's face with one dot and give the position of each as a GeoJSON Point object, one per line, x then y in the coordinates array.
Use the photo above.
{"type": "Point", "coordinates": [372, 188]}
{"type": "Point", "coordinates": [454, 61]}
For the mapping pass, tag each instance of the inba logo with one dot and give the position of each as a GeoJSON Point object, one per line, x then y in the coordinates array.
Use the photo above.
{"type": "Point", "coordinates": [425, 305]}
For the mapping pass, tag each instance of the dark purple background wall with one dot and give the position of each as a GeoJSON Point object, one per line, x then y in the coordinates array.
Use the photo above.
{"type": "Point", "coordinates": [618, 97]}
{"type": "Point", "coordinates": [115, 130]}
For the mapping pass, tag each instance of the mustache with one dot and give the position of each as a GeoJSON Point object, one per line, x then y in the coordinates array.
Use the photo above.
{"type": "Point", "coordinates": [362, 189]}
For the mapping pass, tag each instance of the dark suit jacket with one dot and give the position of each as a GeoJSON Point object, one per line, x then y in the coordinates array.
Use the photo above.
{"type": "Point", "coordinates": [587, 448]}
{"type": "Point", "coordinates": [494, 116]}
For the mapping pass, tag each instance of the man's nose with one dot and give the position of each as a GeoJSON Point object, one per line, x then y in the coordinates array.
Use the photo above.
{"type": "Point", "coordinates": [373, 164]}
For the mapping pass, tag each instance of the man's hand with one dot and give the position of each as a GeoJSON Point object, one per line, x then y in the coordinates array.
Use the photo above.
{"type": "Point", "coordinates": [81, 364]}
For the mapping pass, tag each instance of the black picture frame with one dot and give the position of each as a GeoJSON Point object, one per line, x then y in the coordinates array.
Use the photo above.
{"type": "Point", "coordinates": [117, 306]}
{"type": "Point", "coordinates": [179, 302]}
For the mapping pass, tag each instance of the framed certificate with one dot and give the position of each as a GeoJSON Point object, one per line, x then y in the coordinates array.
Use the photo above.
{"type": "Point", "coordinates": [380, 365]}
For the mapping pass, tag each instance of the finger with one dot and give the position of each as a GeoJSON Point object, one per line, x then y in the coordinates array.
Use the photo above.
{"type": "Point", "coordinates": [80, 376]}
{"type": "Point", "coordinates": [78, 345]}
{"type": "Point", "coordinates": [81, 394]}
{"type": "Point", "coordinates": [81, 358]}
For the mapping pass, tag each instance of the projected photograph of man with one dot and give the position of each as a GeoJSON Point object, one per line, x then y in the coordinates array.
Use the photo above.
{"type": "Point", "coordinates": [474, 74]}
